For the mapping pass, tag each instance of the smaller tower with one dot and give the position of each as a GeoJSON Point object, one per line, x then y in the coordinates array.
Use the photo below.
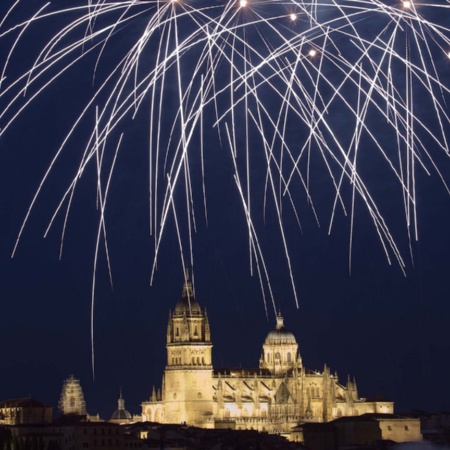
{"type": "Point", "coordinates": [72, 398]}
{"type": "Point", "coordinates": [121, 414]}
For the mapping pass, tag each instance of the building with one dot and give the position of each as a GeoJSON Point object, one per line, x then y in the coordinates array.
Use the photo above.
{"type": "Point", "coordinates": [70, 432]}
{"type": "Point", "coordinates": [364, 430]}
{"type": "Point", "coordinates": [275, 397]}
{"type": "Point", "coordinates": [72, 398]}
{"type": "Point", "coordinates": [19, 411]}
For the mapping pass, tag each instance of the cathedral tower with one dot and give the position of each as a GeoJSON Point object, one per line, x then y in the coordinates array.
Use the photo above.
{"type": "Point", "coordinates": [72, 398]}
{"type": "Point", "coordinates": [187, 384]}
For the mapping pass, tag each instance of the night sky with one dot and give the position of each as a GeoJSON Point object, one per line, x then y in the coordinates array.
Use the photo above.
{"type": "Point", "coordinates": [387, 330]}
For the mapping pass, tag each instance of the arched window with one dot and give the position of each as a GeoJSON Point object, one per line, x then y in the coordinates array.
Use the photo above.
{"type": "Point", "coordinates": [289, 357]}
{"type": "Point", "coordinates": [193, 360]}
{"type": "Point", "coordinates": [277, 355]}
{"type": "Point", "coordinates": [203, 360]}
{"type": "Point", "coordinates": [198, 360]}
{"type": "Point", "coordinates": [177, 332]}
{"type": "Point", "coordinates": [268, 357]}
{"type": "Point", "coordinates": [195, 331]}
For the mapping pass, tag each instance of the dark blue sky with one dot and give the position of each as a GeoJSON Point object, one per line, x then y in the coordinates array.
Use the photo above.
{"type": "Point", "coordinates": [387, 330]}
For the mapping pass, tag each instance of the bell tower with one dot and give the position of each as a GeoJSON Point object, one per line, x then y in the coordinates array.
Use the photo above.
{"type": "Point", "coordinates": [187, 384]}
{"type": "Point", "coordinates": [72, 398]}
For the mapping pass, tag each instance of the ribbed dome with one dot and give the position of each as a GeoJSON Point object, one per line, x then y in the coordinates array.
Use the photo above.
{"type": "Point", "coordinates": [187, 304]}
{"type": "Point", "coordinates": [121, 414]}
{"type": "Point", "coordinates": [190, 306]}
{"type": "Point", "coordinates": [280, 335]}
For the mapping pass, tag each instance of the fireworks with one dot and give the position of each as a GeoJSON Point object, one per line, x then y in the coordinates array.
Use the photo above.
{"type": "Point", "coordinates": [283, 87]}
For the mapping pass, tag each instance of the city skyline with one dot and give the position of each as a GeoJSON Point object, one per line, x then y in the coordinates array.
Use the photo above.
{"type": "Point", "coordinates": [388, 331]}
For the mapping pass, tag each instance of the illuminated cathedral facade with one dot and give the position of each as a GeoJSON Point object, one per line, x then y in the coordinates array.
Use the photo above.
{"type": "Point", "coordinates": [277, 396]}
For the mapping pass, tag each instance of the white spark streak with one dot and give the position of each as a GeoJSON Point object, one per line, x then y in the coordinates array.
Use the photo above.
{"type": "Point", "coordinates": [286, 84]}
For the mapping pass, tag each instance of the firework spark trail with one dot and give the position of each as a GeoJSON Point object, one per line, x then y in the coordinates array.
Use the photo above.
{"type": "Point", "coordinates": [277, 74]}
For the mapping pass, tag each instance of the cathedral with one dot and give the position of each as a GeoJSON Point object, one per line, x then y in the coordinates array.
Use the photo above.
{"type": "Point", "coordinates": [275, 397]}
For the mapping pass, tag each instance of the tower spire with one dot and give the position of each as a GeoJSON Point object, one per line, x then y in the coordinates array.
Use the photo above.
{"type": "Point", "coordinates": [187, 286]}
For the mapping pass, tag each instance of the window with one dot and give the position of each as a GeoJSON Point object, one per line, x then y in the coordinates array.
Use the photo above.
{"type": "Point", "coordinates": [289, 357]}
{"type": "Point", "coordinates": [268, 357]}
{"type": "Point", "coordinates": [277, 355]}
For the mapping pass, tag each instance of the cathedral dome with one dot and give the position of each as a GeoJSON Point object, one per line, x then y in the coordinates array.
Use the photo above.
{"type": "Point", "coordinates": [188, 306]}
{"type": "Point", "coordinates": [280, 335]}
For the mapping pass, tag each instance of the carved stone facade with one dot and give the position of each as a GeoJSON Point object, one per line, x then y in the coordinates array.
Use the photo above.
{"type": "Point", "coordinates": [275, 397]}
{"type": "Point", "coordinates": [72, 398]}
